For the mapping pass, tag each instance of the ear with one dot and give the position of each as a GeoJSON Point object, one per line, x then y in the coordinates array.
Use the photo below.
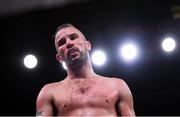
{"type": "Point", "coordinates": [88, 45]}
{"type": "Point", "coordinates": [59, 58]}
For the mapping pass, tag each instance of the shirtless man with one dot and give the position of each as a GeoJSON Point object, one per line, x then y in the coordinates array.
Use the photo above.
{"type": "Point", "coordinates": [82, 92]}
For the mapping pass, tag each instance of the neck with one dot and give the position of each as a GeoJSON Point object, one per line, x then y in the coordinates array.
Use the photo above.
{"type": "Point", "coordinates": [81, 71]}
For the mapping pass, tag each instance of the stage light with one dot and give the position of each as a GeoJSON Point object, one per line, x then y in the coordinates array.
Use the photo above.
{"type": "Point", "coordinates": [98, 58]}
{"type": "Point", "coordinates": [64, 65]}
{"type": "Point", "coordinates": [30, 61]}
{"type": "Point", "coordinates": [168, 44]}
{"type": "Point", "coordinates": [129, 51]}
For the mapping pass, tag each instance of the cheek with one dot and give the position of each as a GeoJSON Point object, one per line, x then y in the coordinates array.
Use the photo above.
{"type": "Point", "coordinates": [81, 45]}
{"type": "Point", "coordinates": [61, 50]}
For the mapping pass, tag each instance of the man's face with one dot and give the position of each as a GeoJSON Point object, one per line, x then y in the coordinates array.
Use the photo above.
{"type": "Point", "coordinates": [71, 45]}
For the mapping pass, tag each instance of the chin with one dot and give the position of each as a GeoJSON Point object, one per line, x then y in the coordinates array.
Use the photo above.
{"type": "Point", "coordinates": [73, 60]}
{"type": "Point", "coordinates": [76, 58]}
{"type": "Point", "coordinates": [79, 59]}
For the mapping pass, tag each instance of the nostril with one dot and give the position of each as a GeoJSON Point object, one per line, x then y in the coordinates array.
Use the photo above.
{"type": "Point", "coordinates": [69, 45]}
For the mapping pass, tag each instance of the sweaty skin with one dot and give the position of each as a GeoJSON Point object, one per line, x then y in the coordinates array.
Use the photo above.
{"type": "Point", "coordinates": [82, 92]}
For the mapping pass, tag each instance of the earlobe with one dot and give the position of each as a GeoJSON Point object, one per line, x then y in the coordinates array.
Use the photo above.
{"type": "Point", "coordinates": [88, 45]}
{"type": "Point", "coordinates": [59, 58]}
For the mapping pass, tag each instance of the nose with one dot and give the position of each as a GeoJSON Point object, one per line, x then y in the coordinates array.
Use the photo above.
{"type": "Point", "coordinates": [69, 43]}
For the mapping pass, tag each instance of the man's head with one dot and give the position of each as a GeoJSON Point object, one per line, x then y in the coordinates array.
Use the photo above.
{"type": "Point", "coordinates": [71, 45]}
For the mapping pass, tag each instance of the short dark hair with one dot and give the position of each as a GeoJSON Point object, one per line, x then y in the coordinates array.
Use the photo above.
{"type": "Point", "coordinates": [64, 26]}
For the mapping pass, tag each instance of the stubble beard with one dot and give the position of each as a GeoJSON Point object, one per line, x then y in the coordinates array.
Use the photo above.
{"type": "Point", "coordinates": [78, 62]}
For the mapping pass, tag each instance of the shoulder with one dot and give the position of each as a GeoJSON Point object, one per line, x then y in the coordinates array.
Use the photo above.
{"type": "Point", "coordinates": [123, 88]}
{"type": "Point", "coordinates": [48, 87]}
{"type": "Point", "coordinates": [121, 83]}
{"type": "Point", "coordinates": [47, 90]}
{"type": "Point", "coordinates": [46, 93]}
{"type": "Point", "coordinates": [113, 80]}
{"type": "Point", "coordinates": [118, 83]}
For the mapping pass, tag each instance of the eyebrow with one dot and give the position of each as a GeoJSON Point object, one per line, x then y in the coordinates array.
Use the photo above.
{"type": "Point", "coordinates": [72, 34]}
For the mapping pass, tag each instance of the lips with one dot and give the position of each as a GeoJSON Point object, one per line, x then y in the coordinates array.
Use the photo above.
{"type": "Point", "coordinates": [72, 51]}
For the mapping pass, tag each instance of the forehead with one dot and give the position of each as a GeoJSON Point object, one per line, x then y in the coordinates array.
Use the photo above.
{"type": "Point", "coordinates": [66, 31]}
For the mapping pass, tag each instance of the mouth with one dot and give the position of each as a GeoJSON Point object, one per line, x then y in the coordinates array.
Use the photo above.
{"type": "Point", "coordinates": [72, 52]}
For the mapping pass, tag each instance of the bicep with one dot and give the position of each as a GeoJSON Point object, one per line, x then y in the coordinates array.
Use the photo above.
{"type": "Point", "coordinates": [125, 104]}
{"type": "Point", "coordinates": [44, 104]}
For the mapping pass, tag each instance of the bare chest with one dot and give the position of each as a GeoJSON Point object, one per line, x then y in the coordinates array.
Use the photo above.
{"type": "Point", "coordinates": [86, 96]}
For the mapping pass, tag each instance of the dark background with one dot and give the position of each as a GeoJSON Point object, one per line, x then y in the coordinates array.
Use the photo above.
{"type": "Point", "coordinates": [154, 79]}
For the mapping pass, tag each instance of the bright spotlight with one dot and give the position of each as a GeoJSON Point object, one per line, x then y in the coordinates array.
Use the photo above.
{"type": "Point", "coordinates": [129, 51]}
{"type": "Point", "coordinates": [98, 57]}
{"type": "Point", "coordinates": [64, 65]}
{"type": "Point", "coordinates": [30, 61]}
{"type": "Point", "coordinates": [168, 44]}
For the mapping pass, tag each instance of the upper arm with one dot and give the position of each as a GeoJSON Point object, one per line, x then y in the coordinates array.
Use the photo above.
{"type": "Point", "coordinates": [44, 103]}
{"type": "Point", "coordinates": [125, 104]}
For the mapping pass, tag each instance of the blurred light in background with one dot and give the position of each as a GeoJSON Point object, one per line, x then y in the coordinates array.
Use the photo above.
{"type": "Point", "coordinates": [98, 58]}
{"type": "Point", "coordinates": [129, 51]}
{"type": "Point", "coordinates": [30, 61]}
{"type": "Point", "coordinates": [168, 44]}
